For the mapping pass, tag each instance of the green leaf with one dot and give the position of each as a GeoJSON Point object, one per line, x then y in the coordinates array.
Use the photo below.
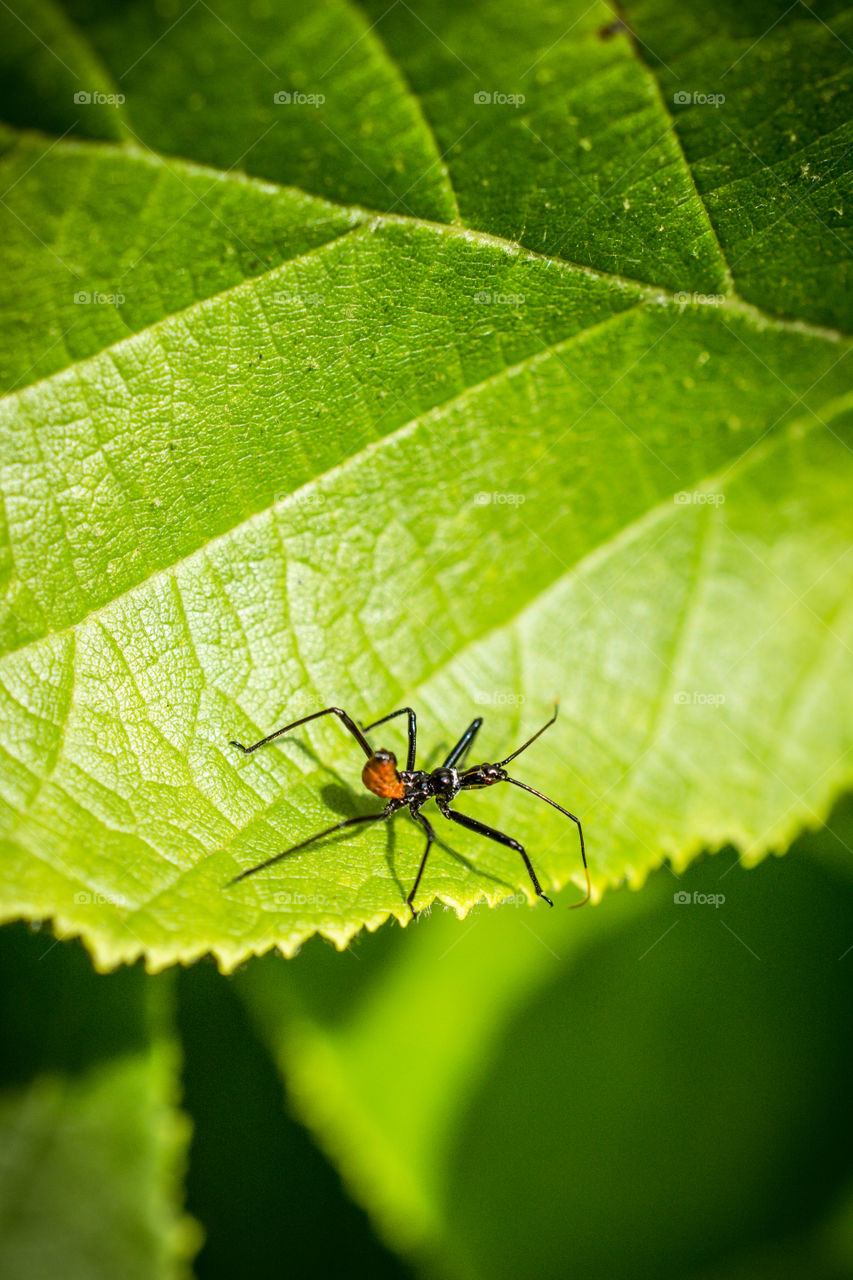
{"type": "Point", "coordinates": [367, 444]}
{"type": "Point", "coordinates": [491, 1092]}
{"type": "Point", "coordinates": [255, 1174]}
{"type": "Point", "coordinates": [92, 1144]}
{"type": "Point", "coordinates": [148, 237]}
{"type": "Point", "coordinates": [381, 1062]}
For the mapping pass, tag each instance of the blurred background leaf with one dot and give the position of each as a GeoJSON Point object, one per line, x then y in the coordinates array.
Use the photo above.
{"type": "Point", "coordinates": [656, 1089]}
{"type": "Point", "coordinates": [255, 1179]}
{"type": "Point", "coordinates": [93, 1146]}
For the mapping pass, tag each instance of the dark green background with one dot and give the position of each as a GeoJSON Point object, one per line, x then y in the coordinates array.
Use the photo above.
{"type": "Point", "coordinates": [683, 1112]}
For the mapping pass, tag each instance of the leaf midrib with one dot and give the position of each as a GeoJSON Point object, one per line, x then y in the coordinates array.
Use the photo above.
{"type": "Point", "coordinates": [830, 409]}
{"type": "Point", "coordinates": [588, 561]}
{"type": "Point", "coordinates": [371, 36]}
{"type": "Point", "coordinates": [457, 399]}
{"type": "Point", "coordinates": [385, 441]}
{"type": "Point", "coordinates": [371, 219]}
{"type": "Point", "coordinates": [658, 94]}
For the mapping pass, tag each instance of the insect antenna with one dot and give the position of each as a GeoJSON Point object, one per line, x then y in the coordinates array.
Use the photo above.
{"type": "Point", "coordinates": [536, 735]}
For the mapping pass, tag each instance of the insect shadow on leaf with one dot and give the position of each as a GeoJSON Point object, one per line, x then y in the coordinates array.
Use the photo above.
{"type": "Point", "coordinates": [411, 788]}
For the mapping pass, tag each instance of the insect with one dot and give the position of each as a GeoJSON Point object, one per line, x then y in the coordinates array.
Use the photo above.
{"type": "Point", "coordinates": [411, 788]}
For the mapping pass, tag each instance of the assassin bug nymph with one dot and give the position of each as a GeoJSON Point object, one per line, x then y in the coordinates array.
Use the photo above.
{"type": "Point", "coordinates": [410, 788]}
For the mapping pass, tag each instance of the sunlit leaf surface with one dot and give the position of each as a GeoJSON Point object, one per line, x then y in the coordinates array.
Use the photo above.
{"type": "Point", "coordinates": [418, 394]}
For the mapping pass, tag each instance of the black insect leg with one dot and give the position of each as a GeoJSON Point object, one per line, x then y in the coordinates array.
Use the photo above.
{"type": "Point", "coordinates": [413, 732]}
{"type": "Point", "coordinates": [491, 834]}
{"type": "Point", "coordinates": [460, 751]}
{"type": "Point", "coordinates": [575, 819]}
{"type": "Point", "coordinates": [430, 835]}
{"type": "Point", "coordinates": [346, 720]}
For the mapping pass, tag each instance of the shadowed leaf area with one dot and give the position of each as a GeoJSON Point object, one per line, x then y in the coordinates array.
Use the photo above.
{"type": "Point", "coordinates": [92, 1144]}
{"type": "Point", "coordinates": [499, 1095]}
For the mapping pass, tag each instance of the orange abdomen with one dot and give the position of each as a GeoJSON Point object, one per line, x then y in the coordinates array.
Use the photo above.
{"type": "Point", "coordinates": [380, 776]}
